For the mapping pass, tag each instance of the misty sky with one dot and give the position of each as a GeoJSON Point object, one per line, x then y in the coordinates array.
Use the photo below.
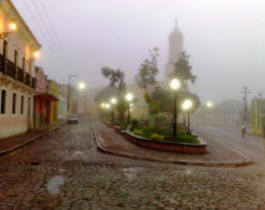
{"type": "Point", "coordinates": [225, 39]}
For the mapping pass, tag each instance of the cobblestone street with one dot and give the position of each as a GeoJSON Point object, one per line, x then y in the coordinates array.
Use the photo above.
{"type": "Point", "coordinates": [64, 170]}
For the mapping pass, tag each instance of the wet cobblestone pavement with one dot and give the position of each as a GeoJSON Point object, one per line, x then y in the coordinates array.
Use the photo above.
{"type": "Point", "coordinates": [65, 171]}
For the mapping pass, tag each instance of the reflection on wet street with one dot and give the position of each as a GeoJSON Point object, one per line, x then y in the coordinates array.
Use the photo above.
{"type": "Point", "coordinates": [54, 183]}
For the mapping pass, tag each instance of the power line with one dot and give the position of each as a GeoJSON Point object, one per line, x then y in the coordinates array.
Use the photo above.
{"type": "Point", "coordinates": [50, 21]}
{"type": "Point", "coordinates": [36, 22]}
{"type": "Point", "coordinates": [44, 22]}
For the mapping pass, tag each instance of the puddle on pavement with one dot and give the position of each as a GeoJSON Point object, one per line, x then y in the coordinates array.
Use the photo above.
{"type": "Point", "coordinates": [54, 183]}
{"type": "Point", "coordinates": [131, 172]}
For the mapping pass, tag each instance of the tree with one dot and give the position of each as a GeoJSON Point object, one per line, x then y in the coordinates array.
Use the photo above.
{"type": "Point", "coordinates": [116, 77]}
{"type": "Point", "coordinates": [148, 71]}
{"type": "Point", "coordinates": [116, 88]}
{"type": "Point", "coordinates": [182, 70]}
{"type": "Point", "coordinates": [159, 101]}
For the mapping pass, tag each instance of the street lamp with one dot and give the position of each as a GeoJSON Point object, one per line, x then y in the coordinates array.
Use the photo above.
{"type": "Point", "coordinates": [129, 97]}
{"type": "Point", "coordinates": [107, 106]}
{"type": "Point", "coordinates": [81, 85]}
{"type": "Point", "coordinates": [12, 27]}
{"type": "Point", "coordinates": [102, 105]}
{"type": "Point", "coordinates": [175, 85]}
{"type": "Point", "coordinates": [113, 101]}
{"type": "Point", "coordinates": [209, 104]}
{"type": "Point", "coordinates": [186, 106]}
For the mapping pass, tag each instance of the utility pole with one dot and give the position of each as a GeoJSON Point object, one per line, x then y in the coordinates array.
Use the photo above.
{"type": "Point", "coordinates": [69, 91]}
{"type": "Point", "coordinates": [245, 93]}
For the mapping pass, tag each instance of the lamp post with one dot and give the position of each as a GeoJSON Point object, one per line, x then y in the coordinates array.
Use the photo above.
{"type": "Point", "coordinates": [107, 106]}
{"type": "Point", "coordinates": [209, 106]}
{"type": "Point", "coordinates": [113, 101]}
{"type": "Point", "coordinates": [129, 97]}
{"type": "Point", "coordinates": [175, 85]}
{"type": "Point", "coordinates": [186, 106]}
{"type": "Point", "coordinates": [81, 99]}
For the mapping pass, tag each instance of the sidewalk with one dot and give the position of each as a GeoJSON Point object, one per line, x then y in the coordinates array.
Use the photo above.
{"type": "Point", "coordinates": [218, 155]}
{"type": "Point", "coordinates": [13, 143]}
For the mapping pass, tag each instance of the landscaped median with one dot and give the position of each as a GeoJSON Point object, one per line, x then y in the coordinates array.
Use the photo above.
{"type": "Point", "coordinates": [116, 143]}
{"type": "Point", "coordinates": [200, 147]}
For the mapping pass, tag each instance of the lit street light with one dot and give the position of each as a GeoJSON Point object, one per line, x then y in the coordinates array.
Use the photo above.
{"type": "Point", "coordinates": [102, 105]}
{"type": "Point", "coordinates": [129, 97]}
{"type": "Point", "coordinates": [12, 28]}
{"type": "Point", "coordinates": [107, 106]}
{"type": "Point", "coordinates": [209, 104]}
{"type": "Point", "coordinates": [81, 85]}
{"type": "Point", "coordinates": [186, 106]}
{"type": "Point", "coordinates": [175, 85]}
{"type": "Point", "coordinates": [113, 101]}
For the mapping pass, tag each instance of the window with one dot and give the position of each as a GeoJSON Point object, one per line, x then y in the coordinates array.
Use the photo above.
{"type": "Point", "coordinates": [3, 101]}
{"type": "Point", "coordinates": [14, 101]}
{"type": "Point", "coordinates": [22, 105]}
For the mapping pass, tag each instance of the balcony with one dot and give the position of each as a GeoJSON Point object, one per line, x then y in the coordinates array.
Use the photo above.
{"type": "Point", "coordinates": [21, 75]}
{"type": "Point", "coordinates": [10, 69]}
{"type": "Point", "coordinates": [2, 64]}
{"type": "Point", "coordinates": [27, 79]}
{"type": "Point", "coordinates": [33, 82]}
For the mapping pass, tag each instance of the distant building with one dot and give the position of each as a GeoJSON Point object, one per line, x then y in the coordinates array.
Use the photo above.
{"type": "Point", "coordinates": [258, 115]}
{"type": "Point", "coordinates": [42, 100]}
{"type": "Point", "coordinates": [17, 76]}
{"type": "Point", "coordinates": [174, 49]}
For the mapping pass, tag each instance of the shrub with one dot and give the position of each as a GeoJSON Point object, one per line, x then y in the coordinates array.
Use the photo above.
{"type": "Point", "coordinates": [134, 123]}
{"type": "Point", "coordinates": [124, 127]}
{"type": "Point", "coordinates": [138, 132]}
{"type": "Point", "coordinates": [189, 139]}
{"type": "Point", "coordinates": [156, 136]}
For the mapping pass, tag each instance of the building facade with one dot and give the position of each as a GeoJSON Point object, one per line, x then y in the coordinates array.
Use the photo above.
{"type": "Point", "coordinates": [17, 76]}
{"type": "Point", "coordinates": [53, 90]}
{"type": "Point", "coordinates": [258, 116]}
{"type": "Point", "coordinates": [42, 100]}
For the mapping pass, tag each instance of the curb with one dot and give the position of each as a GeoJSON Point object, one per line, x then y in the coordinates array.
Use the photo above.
{"type": "Point", "coordinates": [7, 151]}
{"type": "Point", "coordinates": [100, 147]}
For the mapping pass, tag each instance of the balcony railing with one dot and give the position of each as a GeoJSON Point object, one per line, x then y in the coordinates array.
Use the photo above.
{"type": "Point", "coordinates": [10, 69]}
{"type": "Point", "coordinates": [27, 79]}
{"type": "Point", "coordinates": [21, 75]}
{"type": "Point", "coordinates": [33, 82]}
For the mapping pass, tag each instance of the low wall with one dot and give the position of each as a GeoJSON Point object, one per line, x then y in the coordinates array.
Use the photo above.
{"type": "Point", "coordinates": [188, 148]}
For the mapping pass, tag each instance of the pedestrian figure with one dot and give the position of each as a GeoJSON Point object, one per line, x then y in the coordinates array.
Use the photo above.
{"type": "Point", "coordinates": [243, 130]}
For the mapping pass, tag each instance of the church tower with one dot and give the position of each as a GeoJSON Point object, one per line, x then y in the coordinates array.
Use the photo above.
{"type": "Point", "coordinates": [174, 49]}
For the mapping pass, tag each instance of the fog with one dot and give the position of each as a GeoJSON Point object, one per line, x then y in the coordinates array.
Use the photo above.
{"type": "Point", "coordinates": [225, 39]}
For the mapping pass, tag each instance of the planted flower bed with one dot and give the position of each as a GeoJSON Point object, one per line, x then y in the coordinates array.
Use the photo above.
{"type": "Point", "coordinates": [162, 139]}
{"type": "Point", "coordinates": [173, 146]}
